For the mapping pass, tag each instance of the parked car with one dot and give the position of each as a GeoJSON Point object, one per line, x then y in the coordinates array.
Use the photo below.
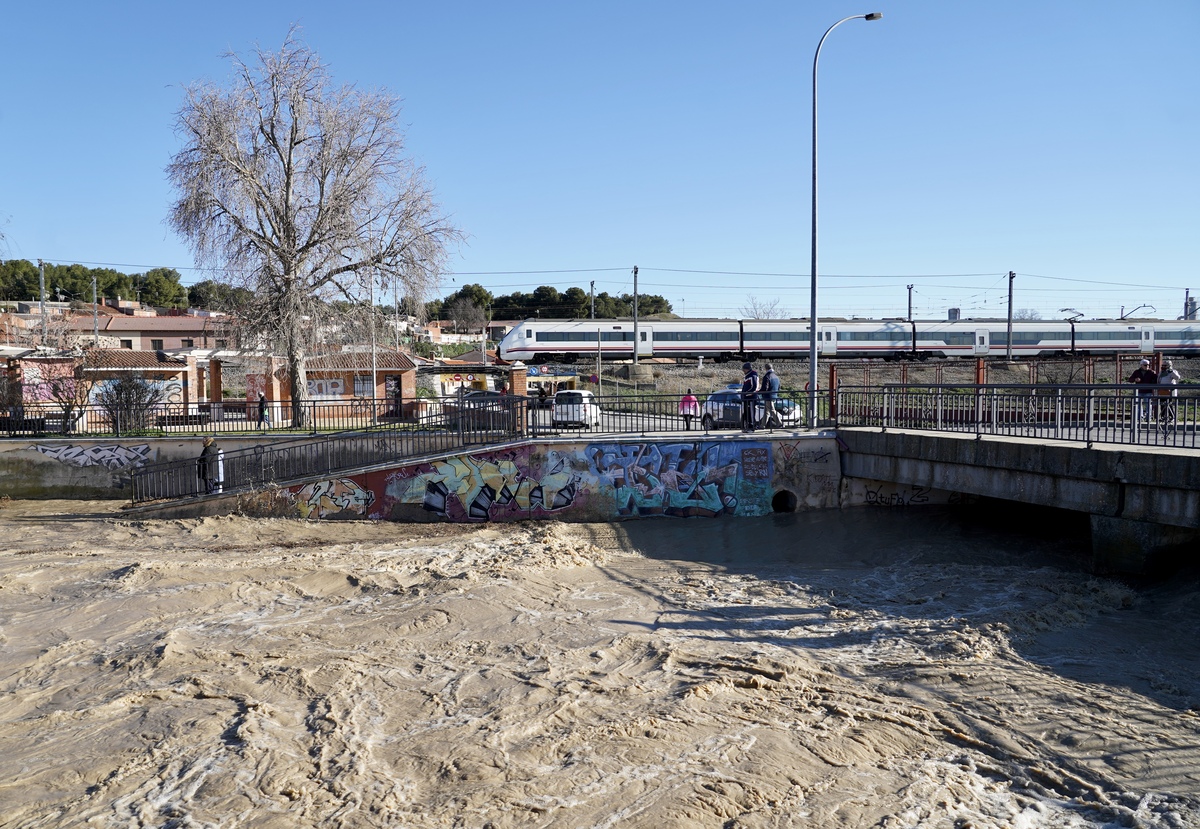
{"type": "Point", "coordinates": [483, 409]}
{"type": "Point", "coordinates": [575, 407]}
{"type": "Point", "coordinates": [723, 409]}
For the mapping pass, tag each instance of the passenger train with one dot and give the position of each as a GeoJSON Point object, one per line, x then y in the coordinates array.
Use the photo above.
{"type": "Point", "coordinates": [566, 341]}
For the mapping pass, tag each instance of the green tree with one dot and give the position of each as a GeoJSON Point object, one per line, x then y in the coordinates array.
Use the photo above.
{"type": "Point", "coordinates": [218, 296]}
{"type": "Point", "coordinates": [19, 280]}
{"type": "Point", "coordinates": [161, 288]}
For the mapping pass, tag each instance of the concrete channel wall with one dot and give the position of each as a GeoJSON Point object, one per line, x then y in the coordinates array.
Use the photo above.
{"type": "Point", "coordinates": [85, 468]}
{"type": "Point", "coordinates": [570, 479]}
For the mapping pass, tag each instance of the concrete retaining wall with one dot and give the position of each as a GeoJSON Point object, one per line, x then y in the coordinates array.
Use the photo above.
{"type": "Point", "coordinates": [86, 467]}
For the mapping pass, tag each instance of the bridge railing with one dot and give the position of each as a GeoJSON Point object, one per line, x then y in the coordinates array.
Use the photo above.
{"type": "Point", "coordinates": [1153, 415]}
{"type": "Point", "coordinates": [443, 429]}
{"type": "Point", "coordinates": [448, 424]}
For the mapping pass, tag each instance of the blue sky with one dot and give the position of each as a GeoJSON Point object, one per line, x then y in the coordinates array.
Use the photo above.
{"type": "Point", "coordinates": [570, 141]}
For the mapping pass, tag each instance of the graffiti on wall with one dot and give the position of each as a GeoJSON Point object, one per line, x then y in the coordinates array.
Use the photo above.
{"type": "Point", "coordinates": [48, 382]}
{"type": "Point", "coordinates": [327, 387]}
{"type": "Point", "coordinates": [684, 479]}
{"type": "Point", "coordinates": [171, 390]}
{"type": "Point", "coordinates": [110, 457]}
{"type": "Point", "coordinates": [586, 481]}
{"type": "Point", "coordinates": [490, 486]}
{"type": "Point", "coordinates": [333, 497]}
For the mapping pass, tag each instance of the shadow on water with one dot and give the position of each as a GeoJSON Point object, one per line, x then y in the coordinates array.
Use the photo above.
{"type": "Point", "coordinates": [939, 569]}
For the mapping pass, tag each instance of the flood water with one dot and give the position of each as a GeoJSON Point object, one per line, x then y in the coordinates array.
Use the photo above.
{"type": "Point", "coordinates": [941, 667]}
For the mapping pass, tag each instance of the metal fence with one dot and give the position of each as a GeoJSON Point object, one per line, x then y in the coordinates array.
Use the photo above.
{"type": "Point", "coordinates": [276, 462]}
{"type": "Point", "coordinates": [442, 425]}
{"type": "Point", "coordinates": [1090, 414]}
{"type": "Point", "coordinates": [1085, 413]}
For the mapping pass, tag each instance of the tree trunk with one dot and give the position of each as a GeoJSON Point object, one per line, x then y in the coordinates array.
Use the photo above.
{"type": "Point", "coordinates": [297, 374]}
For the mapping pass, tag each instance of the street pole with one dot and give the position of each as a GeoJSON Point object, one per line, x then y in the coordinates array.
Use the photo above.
{"type": "Point", "coordinates": [635, 317]}
{"type": "Point", "coordinates": [42, 294]}
{"type": "Point", "coordinates": [814, 330]}
{"type": "Point", "coordinates": [1008, 350]}
{"type": "Point", "coordinates": [910, 287]}
{"type": "Point", "coordinates": [593, 299]}
{"type": "Point", "coordinates": [95, 315]}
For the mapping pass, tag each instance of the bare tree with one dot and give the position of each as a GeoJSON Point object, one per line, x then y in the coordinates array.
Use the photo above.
{"type": "Point", "coordinates": [761, 309]}
{"type": "Point", "coordinates": [468, 317]}
{"type": "Point", "coordinates": [296, 188]}
{"type": "Point", "coordinates": [1026, 314]}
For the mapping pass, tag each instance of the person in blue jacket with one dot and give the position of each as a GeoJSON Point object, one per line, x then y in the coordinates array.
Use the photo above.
{"type": "Point", "coordinates": [749, 396]}
{"type": "Point", "coordinates": [769, 389]}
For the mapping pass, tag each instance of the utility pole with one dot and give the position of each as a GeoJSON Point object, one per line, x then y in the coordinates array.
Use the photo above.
{"type": "Point", "coordinates": [910, 287]}
{"type": "Point", "coordinates": [42, 294]}
{"type": "Point", "coordinates": [95, 315]}
{"type": "Point", "coordinates": [1011, 277]}
{"type": "Point", "coordinates": [593, 299]}
{"type": "Point", "coordinates": [635, 317]}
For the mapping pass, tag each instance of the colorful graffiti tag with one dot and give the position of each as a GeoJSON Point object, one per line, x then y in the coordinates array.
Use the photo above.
{"type": "Point", "coordinates": [489, 486]}
{"type": "Point", "coordinates": [333, 497]}
{"type": "Point", "coordinates": [582, 482]}
{"type": "Point", "coordinates": [684, 479]}
{"type": "Point", "coordinates": [110, 457]}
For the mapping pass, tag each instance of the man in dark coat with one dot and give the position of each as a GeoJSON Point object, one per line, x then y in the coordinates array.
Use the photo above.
{"type": "Point", "coordinates": [208, 466]}
{"type": "Point", "coordinates": [749, 396]}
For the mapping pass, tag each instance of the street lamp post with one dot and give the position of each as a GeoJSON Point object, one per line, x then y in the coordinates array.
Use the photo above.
{"type": "Point", "coordinates": [813, 328]}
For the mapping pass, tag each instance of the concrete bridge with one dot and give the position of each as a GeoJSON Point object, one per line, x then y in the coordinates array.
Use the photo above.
{"type": "Point", "coordinates": [1143, 502]}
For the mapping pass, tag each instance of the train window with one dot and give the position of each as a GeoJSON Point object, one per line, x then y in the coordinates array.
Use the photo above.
{"type": "Point", "coordinates": [643, 333]}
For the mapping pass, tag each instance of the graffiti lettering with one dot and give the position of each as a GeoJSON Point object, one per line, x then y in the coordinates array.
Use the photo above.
{"type": "Point", "coordinates": [914, 495]}
{"type": "Point", "coordinates": [110, 457]}
{"type": "Point", "coordinates": [333, 497]}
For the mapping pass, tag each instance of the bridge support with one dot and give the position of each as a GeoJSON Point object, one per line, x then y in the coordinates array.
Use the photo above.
{"type": "Point", "coordinates": [1122, 545]}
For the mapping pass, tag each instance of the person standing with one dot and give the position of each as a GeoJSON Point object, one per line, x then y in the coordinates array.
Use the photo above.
{"type": "Point", "coordinates": [1144, 376]}
{"type": "Point", "coordinates": [770, 393]}
{"type": "Point", "coordinates": [209, 466]}
{"type": "Point", "coordinates": [264, 416]}
{"type": "Point", "coordinates": [689, 407]}
{"type": "Point", "coordinates": [749, 396]}
{"type": "Point", "coordinates": [1168, 389]}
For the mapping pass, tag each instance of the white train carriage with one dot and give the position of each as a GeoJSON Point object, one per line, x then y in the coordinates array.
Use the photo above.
{"type": "Point", "coordinates": [567, 341]}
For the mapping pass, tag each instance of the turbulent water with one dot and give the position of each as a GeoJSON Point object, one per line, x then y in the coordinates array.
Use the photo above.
{"type": "Point", "coordinates": [887, 668]}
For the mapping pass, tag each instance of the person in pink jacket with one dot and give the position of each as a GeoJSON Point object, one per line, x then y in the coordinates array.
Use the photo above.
{"type": "Point", "coordinates": [689, 407]}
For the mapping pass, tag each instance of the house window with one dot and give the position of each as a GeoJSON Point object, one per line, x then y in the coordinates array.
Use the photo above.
{"type": "Point", "coordinates": [187, 343]}
{"type": "Point", "coordinates": [127, 344]}
{"type": "Point", "coordinates": [362, 386]}
{"type": "Point", "coordinates": [222, 343]}
{"type": "Point", "coordinates": [156, 345]}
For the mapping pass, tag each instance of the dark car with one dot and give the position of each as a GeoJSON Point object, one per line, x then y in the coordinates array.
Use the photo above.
{"type": "Point", "coordinates": [723, 410]}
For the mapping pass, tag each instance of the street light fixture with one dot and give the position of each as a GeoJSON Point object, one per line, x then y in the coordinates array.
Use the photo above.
{"type": "Point", "coordinates": [814, 332]}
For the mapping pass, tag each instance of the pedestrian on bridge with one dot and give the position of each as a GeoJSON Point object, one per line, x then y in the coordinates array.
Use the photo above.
{"type": "Point", "coordinates": [749, 397]}
{"type": "Point", "coordinates": [1168, 390]}
{"type": "Point", "coordinates": [1145, 377]}
{"type": "Point", "coordinates": [689, 407]}
{"type": "Point", "coordinates": [769, 389]}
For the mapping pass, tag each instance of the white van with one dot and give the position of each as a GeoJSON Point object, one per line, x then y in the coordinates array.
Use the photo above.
{"type": "Point", "coordinates": [575, 407]}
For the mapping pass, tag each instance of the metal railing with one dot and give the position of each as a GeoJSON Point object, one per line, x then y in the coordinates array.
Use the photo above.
{"type": "Point", "coordinates": [447, 429]}
{"type": "Point", "coordinates": [442, 425]}
{"type": "Point", "coordinates": [1152, 416]}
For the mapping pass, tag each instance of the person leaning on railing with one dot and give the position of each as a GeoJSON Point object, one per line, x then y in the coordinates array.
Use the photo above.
{"type": "Point", "coordinates": [1168, 388]}
{"type": "Point", "coordinates": [1144, 376]}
